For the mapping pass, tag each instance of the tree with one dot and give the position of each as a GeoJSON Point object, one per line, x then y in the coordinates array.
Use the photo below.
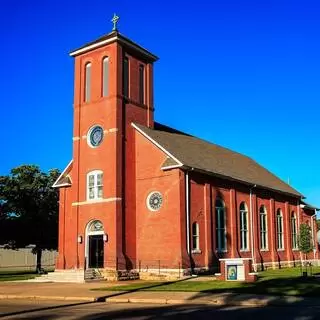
{"type": "Point", "coordinates": [29, 208]}
{"type": "Point", "coordinates": [305, 240]}
{"type": "Point", "coordinates": [318, 224]}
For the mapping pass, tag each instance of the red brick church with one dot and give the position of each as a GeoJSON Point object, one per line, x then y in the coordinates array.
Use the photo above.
{"type": "Point", "coordinates": [139, 195]}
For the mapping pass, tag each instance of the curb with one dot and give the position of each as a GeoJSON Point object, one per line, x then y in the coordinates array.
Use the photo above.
{"type": "Point", "coordinates": [249, 302]}
{"type": "Point", "coordinates": [61, 298]}
{"type": "Point", "coordinates": [186, 301]}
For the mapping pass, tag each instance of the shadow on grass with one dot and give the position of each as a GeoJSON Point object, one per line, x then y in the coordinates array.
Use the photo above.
{"type": "Point", "coordinates": [279, 291]}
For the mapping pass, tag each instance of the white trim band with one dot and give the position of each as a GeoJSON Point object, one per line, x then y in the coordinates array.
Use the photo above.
{"type": "Point", "coordinates": [95, 201]}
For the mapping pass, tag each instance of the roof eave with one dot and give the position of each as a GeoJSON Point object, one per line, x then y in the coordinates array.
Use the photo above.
{"type": "Point", "coordinates": [56, 183]}
{"type": "Point", "coordinates": [298, 195]}
{"type": "Point", "coordinates": [113, 37]}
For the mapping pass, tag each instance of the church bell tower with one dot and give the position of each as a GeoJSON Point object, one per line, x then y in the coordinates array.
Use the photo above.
{"type": "Point", "coordinates": [113, 87]}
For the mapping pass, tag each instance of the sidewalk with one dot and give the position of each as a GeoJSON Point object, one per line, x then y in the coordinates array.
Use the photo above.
{"type": "Point", "coordinates": [82, 292]}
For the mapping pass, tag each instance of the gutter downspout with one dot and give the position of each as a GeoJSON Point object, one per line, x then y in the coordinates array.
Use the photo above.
{"type": "Point", "coordinates": [251, 231]}
{"type": "Point", "coordinates": [298, 210]}
{"type": "Point", "coordinates": [313, 237]}
{"type": "Point", "coordinates": [187, 212]}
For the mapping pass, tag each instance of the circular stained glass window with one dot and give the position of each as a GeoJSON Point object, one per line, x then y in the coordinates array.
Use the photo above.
{"type": "Point", "coordinates": [95, 136]}
{"type": "Point", "coordinates": [154, 201]}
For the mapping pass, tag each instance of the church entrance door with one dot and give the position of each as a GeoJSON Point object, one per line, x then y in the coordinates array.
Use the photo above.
{"type": "Point", "coordinates": [94, 246]}
{"type": "Point", "coordinates": [96, 251]}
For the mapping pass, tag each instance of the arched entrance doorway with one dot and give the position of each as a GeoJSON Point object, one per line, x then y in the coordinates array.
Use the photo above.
{"type": "Point", "coordinates": [94, 245]}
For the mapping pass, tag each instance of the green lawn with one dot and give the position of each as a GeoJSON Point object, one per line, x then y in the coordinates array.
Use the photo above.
{"type": "Point", "coordinates": [275, 282]}
{"type": "Point", "coordinates": [16, 275]}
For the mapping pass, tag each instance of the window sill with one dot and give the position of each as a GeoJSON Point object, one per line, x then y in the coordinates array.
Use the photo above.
{"type": "Point", "coordinates": [197, 251]}
{"type": "Point", "coordinates": [280, 250]}
{"type": "Point", "coordinates": [264, 250]}
{"type": "Point", "coordinates": [244, 250]}
{"type": "Point", "coordinates": [221, 251]}
{"type": "Point", "coordinates": [94, 200]}
{"type": "Point", "coordinates": [295, 249]}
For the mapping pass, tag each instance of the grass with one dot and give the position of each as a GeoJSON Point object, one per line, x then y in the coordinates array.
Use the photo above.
{"type": "Point", "coordinates": [273, 282]}
{"type": "Point", "coordinates": [16, 275]}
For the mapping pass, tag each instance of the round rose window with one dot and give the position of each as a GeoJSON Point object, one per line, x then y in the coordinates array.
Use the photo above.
{"type": "Point", "coordinates": [154, 201]}
{"type": "Point", "coordinates": [95, 136]}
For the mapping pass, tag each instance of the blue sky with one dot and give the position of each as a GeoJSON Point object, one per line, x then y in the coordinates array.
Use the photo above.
{"type": "Point", "coordinates": [242, 74]}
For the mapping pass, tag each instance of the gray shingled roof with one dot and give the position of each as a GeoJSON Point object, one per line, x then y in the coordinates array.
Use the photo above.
{"type": "Point", "coordinates": [214, 159]}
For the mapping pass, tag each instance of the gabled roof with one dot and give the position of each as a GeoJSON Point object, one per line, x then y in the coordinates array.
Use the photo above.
{"type": "Point", "coordinates": [209, 158]}
{"type": "Point", "coordinates": [64, 179]}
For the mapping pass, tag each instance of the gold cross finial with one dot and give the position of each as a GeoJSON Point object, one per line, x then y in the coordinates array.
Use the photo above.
{"type": "Point", "coordinates": [114, 20]}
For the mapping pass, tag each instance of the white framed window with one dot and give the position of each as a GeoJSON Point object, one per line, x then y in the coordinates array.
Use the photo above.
{"type": "Point", "coordinates": [263, 228]}
{"type": "Point", "coordinates": [294, 236]}
{"type": "Point", "coordinates": [279, 230]}
{"type": "Point", "coordinates": [243, 226]}
{"type": "Point", "coordinates": [105, 76]}
{"type": "Point", "coordinates": [221, 234]}
{"type": "Point", "coordinates": [95, 185]}
{"type": "Point", "coordinates": [87, 82]}
{"type": "Point", "coordinates": [195, 237]}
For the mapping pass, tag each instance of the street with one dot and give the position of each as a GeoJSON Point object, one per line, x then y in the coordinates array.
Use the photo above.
{"type": "Point", "coordinates": [49, 310]}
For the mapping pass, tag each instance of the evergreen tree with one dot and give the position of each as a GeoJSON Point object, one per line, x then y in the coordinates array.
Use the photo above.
{"type": "Point", "coordinates": [305, 240]}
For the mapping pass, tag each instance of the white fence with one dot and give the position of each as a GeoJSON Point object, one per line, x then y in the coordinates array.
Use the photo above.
{"type": "Point", "coordinates": [24, 259]}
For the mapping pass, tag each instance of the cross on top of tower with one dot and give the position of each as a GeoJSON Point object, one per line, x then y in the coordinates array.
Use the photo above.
{"type": "Point", "coordinates": [114, 20]}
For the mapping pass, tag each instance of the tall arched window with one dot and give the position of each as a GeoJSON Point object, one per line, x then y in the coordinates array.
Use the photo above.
{"type": "Point", "coordinates": [105, 76]}
{"type": "Point", "coordinates": [263, 228]}
{"type": "Point", "coordinates": [279, 230]}
{"type": "Point", "coordinates": [126, 77]}
{"type": "Point", "coordinates": [141, 84]}
{"type": "Point", "coordinates": [87, 82]}
{"type": "Point", "coordinates": [195, 237]}
{"type": "Point", "coordinates": [243, 226]}
{"type": "Point", "coordinates": [221, 240]}
{"type": "Point", "coordinates": [95, 185]}
{"type": "Point", "coordinates": [294, 237]}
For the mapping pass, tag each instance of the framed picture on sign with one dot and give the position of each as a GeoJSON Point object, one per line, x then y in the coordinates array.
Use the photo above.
{"type": "Point", "coordinates": [231, 272]}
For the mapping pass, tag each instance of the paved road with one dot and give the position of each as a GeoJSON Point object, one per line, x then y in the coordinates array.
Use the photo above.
{"type": "Point", "coordinates": [51, 310]}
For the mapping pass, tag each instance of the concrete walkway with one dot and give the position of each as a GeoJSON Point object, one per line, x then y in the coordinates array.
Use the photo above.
{"type": "Point", "coordinates": [83, 292]}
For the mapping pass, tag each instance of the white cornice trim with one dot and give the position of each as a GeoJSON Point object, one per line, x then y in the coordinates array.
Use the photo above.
{"type": "Point", "coordinates": [95, 201]}
{"type": "Point", "coordinates": [110, 40]}
{"type": "Point", "coordinates": [171, 167]}
{"type": "Point", "coordinates": [62, 185]}
{"type": "Point", "coordinates": [180, 164]}
{"type": "Point", "coordinates": [93, 46]}
{"type": "Point", "coordinates": [55, 185]}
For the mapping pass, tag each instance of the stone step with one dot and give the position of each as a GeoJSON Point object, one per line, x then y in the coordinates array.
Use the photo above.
{"type": "Point", "coordinates": [61, 276]}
